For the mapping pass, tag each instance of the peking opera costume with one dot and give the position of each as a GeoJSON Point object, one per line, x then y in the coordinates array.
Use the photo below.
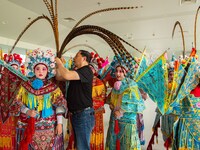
{"type": "Point", "coordinates": [187, 105]}
{"type": "Point", "coordinates": [166, 121]}
{"type": "Point", "coordinates": [98, 97]}
{"type": "Point", "coordinates": [131, 103]}
{"type": "Point", "coordinates": [44, 97]}
{"type": "Point", "coordinates": [184, 101]}
{"type": "Point", "coordinates": [8, 123]}
{"type": "Point", "coordinates": [122, 132]}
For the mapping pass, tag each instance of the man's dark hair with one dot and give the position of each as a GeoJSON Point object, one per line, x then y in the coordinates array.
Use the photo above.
{"type": "Point", "coordinates": [86, 54]}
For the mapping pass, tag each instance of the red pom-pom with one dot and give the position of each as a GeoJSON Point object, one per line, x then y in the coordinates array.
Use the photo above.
{"type": "Point", "coordinates": [10, 56]}
{"type": "Point", "coordinates": [101, 59]}
{"type": "Point", "coordinates": [10, 59]}
{"type": "Point", "coordinates": [99, 65]}
{"type": "Point", "coordinates": [96, 55]}
{"type": "Point", "coordinates": [116, 128]}
{"type": "Point", "coordinates": [5, 55]}
{"type": "Point", "coordinates": [98, 60]}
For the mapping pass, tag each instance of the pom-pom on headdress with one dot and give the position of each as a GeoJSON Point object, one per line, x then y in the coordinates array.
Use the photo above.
{"type": "Point", "coordinates": [38, 56]}
{"type": "Point", "coordinates": [98, 63]}
{"type": "Point", "coordinates": [15, 59]}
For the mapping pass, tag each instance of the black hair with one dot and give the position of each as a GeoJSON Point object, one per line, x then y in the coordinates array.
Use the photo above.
{"type": "Point", "coordinates": [86, 54]}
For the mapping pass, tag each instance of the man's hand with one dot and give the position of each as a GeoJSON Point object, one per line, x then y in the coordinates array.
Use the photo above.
{"type": "Point", "coordinates": [59, 61]}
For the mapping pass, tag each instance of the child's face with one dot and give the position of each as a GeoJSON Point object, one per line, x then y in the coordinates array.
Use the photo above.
{"type": "Point", "coordinates": [171, 76]}
{"type": "Point", "coordinates": [15, 66]}
{"type": "Point", "coordinates": [119, 73]}
{"type": "Point", "coordinates": [41, 71]}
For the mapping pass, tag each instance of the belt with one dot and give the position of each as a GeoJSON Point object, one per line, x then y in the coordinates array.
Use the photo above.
{"type": "Point", "coordinates": [78, 111]}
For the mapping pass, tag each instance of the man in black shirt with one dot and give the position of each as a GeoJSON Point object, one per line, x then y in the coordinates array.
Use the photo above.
{"type": "Point", "coordinates": [79, 97]}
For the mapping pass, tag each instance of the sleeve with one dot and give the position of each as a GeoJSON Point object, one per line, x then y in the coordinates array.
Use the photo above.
{"type": "Point", "coordinates": [132, 100]}
{"type": "Point", "coordinates": [85, 74]}
{"type": "Point", "coordinates": [17, 105]}
{"type": "Point", "coordinates": [59, 102]}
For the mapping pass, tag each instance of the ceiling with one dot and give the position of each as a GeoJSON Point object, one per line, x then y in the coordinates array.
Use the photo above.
{"type": "Point", "coordinates": [150, 25]}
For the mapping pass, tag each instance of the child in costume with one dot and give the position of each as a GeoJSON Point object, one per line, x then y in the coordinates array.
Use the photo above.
{"type": "Point", "coordinates": [126, 102]}
{"type": "Point", "coordinates": [186, 128]}
{"type": "Point", "coordinates": [177, 99]}
{"type": "Point", "coordinates": [40, 104]}
{"type": "Point", "coordinates": [98, 97]}
{"type": "Point", "coordinates": [8, 123]}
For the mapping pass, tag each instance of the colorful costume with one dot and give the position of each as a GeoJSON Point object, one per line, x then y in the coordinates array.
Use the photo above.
{"type": "Point", "coordinates": [179, 101]}
{"type": "Point", "coordinates": [47, 101]}
{"type": "Point", "coordinates": [187, 127]}
{"type": "Point", "coordinates": [44, 97]}
{"type": "Point", "coordinates": [167, 120]}
{"type": "Point", "coordinates": [98, 96]}
{"type": "Point", "coordinates": [140, 121]}
{"type": "Point", "coordinates": [186, 105]}
{"type": "Point", "coordinates": [122, 132]}
{"type": "Point", "coordinates": [8, 123]}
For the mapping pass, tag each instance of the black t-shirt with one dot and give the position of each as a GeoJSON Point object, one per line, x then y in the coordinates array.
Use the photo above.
{"type": "Point", "coordinates": [79, 94]}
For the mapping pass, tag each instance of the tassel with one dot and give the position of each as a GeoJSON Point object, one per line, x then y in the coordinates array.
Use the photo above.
{"type": "Point", "coordinates": [118, 144]}
{"type": "Point", "coordinates": [167, 143]}
{"type": "Point", "coordinates": [116, 128]}
{"type": "Point", "coordinates": [155, 133]}
{"type": "Point", "coordinates": [193, 52]}
{"type": "Point", "coordinates": [28, 134]}
{"type": "Point", "coordinates": [47, 107]}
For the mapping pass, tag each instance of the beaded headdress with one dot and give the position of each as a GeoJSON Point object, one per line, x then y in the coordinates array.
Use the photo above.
{"type": "Point", "coordinates": [129, 67]}
{"type": "Point", "coordinates": [39, 56]}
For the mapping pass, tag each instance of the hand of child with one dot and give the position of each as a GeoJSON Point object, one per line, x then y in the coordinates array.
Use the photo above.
{"type": "Point", "coordinates": [31, 113]}
{"type": "Point", "coordinates": [59, 129]}
{"type": "Point", "coordinates": [118, 114]}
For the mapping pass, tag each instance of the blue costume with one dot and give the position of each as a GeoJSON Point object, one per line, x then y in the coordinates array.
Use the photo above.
{"type": "Point", "coordinates": [129, 101]}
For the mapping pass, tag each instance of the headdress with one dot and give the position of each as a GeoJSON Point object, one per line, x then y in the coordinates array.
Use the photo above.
{"type": "Point", "coordinates": [128, 66]}
{"type": "Point", "coordinates": [13, 59]}
{"type": "Point", "coordinates": [94, 65]}
{"type": "Point", "coordinates": [98, 63]}
{"type": "Point", "coordinates": [38, 56]}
